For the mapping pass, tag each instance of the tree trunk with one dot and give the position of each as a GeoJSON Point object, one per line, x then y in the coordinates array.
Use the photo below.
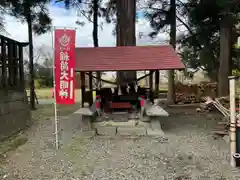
{"type": "Point", "coordinates": [225, 56]}
{"type": "Point", "coordinates": [126, 18]}
{"type": "Point", "coordinates": [213, 75]}
{"type": "Point", "coordinates": [171, 90]}
{"type": "Point", "coordinates": [95, 35]}
{"type": "Point", "coordinates": [31, 65]}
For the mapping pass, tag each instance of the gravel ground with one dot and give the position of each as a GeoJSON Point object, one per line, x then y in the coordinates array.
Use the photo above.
{"type": "Point", "coordinates": [188, 152]}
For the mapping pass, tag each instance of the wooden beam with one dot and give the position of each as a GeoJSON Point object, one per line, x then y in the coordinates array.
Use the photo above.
{"type": "Point", "coordinates": [24, 44]}
{"type": "Point", "coordinates": [114, 83]}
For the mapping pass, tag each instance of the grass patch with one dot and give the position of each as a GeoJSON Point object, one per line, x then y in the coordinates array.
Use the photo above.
{"type": "Point", "coordinates": [46, 93]}
{"type": "Point", "coordinates": [163, 91]}
{"type": "Point", "coordinates": [12, 143]}
{"type": "Point", "coordinates": [47, 111]}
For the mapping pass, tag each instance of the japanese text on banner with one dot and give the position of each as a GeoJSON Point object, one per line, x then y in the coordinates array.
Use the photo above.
{"type": "Point", "coordinates": [64, 66]}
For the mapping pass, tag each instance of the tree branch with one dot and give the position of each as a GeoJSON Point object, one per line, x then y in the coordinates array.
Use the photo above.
{"type": "Point", "coordinates": [87, 17]}
{"type": "Point", "coordinates": [185, 24]}
{"type": "Point", "coordinates": [189, 29]}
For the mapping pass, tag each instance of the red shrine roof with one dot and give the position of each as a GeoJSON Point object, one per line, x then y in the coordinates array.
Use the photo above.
{"type": "Point", "coordinates": [127, 58]}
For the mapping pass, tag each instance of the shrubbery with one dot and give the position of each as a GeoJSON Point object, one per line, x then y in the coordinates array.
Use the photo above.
{"type": "Point", "coordinates": [41, 82]}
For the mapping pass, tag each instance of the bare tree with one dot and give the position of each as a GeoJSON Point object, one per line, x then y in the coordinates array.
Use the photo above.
{"type": "Point", "coordinates": [42, 57]}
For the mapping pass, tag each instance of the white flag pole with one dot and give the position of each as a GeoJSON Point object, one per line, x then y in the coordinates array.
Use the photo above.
{"type": "Point", "coordinates": [54, 87]}
{"type": "Point", "coordinates": [232, 121]}
{"type": "Point", "coordinates": [238, 42]}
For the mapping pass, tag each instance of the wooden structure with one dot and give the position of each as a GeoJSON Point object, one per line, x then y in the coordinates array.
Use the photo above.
{"type": "Point", "coordinates": [14, 110]}
{"type": "Point", "coordinates": [125, 58]}
{"type": "Point", "coordinates": [12, 73]}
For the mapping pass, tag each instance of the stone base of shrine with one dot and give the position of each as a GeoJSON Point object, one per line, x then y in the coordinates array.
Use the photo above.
{"type": "Point", "coordinates": [129, 128]}
{"type": "Point", "coordinates": [119, 124]}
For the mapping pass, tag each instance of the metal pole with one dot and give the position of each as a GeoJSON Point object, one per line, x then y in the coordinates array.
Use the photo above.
{"type": "Point", "coordinates": [55, 102]}
{"type": "Point", "coordinates": [232, 120]}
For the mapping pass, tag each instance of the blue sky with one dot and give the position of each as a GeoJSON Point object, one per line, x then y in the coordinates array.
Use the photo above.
{"type": "Point", "coordinates": [140, 14]}
{"type": "Point", "coordinates": [59, 4]}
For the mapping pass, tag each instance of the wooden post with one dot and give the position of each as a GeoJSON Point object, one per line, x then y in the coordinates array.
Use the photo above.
{"type": "Point", "coordinates": [151, 93]}
{"type": "Point", "coordinates": [146, 79]}
{"type": "Point", "coordinates": [90, 88]}
{"type": "Point", "coordinates": [82, 87]}
{"type": "Point", "coordinates": [10, 63]}
{"type": "Point", "coordinates": [151, 81]}
{"type": "Point", "coordinates": [157, 83]}
{"type": "Point", "coordinates": [21, 71]}
{"type": "Point", "coordinates": [4, 64]}
{"type": "Point", "coordinates": [99, 84]}
{"type": "Point", "coordinates": [15, 65]}
{"type": "Point", "coordinates": [232, 121]}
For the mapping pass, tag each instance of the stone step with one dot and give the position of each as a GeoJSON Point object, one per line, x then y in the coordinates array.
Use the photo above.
{"type": "Point", "coordinates": [127, 131]}
{"type": "Point", "coordinates": [129, 123]}
{"type": "Point", "coordinates": [131, 131]}
{"type": "Point", "coordinates": [122, 131]}
{"type": "Point", "coordinates": [118, 117]}
{"type": "Point", "coordinates": [106, 130]}
{"type": "Point", "coordinates": [155, 124]}
{"type": "Point", "coordinates": [155, 132]}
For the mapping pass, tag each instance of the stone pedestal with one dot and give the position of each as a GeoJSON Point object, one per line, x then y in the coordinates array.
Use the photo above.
{"type": "Point", "coordinates": [86, 124]}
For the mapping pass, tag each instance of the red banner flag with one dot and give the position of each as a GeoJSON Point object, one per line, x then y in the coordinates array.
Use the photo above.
{"type": "Point", "coordinates": [64, 52]}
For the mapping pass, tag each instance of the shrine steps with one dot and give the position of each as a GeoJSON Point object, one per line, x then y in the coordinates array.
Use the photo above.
{"type": "Point", "coordinates": [132, 127]}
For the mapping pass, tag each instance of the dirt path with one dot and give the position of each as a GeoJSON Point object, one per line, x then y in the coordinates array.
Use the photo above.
{"type": "Point", "coordinates": [187, 153]}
